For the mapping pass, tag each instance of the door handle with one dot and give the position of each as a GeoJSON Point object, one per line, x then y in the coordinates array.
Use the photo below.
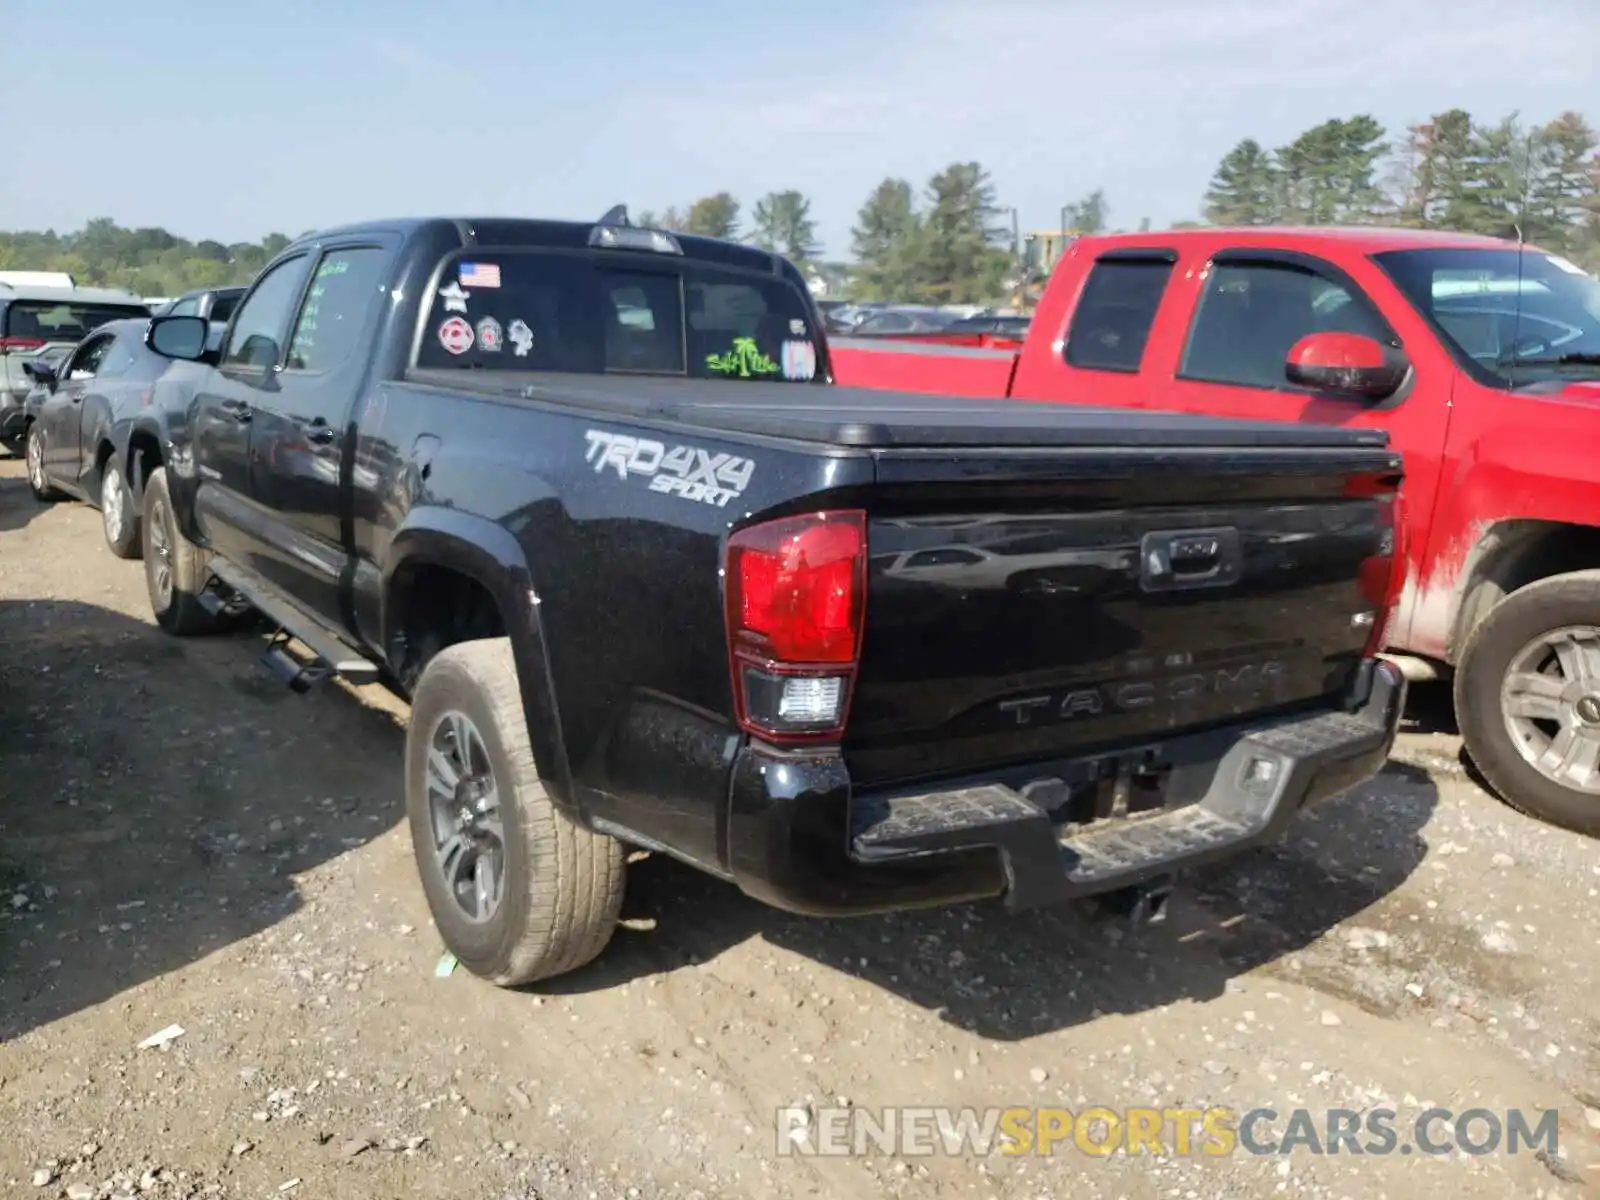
{"type": "Point", "coordinates": [319, 431]}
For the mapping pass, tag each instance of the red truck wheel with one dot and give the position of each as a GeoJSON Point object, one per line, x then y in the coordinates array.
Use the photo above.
{"type": "Point", "coordinates": [1527, 697]}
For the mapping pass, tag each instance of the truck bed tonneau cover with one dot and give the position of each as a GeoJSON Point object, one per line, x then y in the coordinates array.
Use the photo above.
{"type": "Point", "coordinates": [871, 419]}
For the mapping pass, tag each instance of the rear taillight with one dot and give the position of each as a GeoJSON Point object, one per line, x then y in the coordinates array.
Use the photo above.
{"type": "Point", "coordinates": [20, 344]}
{"type": "Point", "coordinates": [796, 592]}
{"type": "Point", "coordinates": [1383, 577]}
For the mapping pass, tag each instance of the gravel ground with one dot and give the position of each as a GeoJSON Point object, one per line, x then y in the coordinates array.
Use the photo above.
{"type": "Point", "coordinates": [184, 842]}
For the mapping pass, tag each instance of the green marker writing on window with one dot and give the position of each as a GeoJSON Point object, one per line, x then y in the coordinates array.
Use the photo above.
{"type": "Point", "coordinates": [744, 360]}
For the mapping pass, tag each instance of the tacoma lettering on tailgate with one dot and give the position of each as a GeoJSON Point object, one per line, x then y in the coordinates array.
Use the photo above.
{"type": "Point", "coordinates": [688, 471]}
{"type": "Point", "coordinates": [1094, 700]}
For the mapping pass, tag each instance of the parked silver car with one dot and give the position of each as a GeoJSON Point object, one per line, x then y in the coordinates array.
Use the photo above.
{"type": "Point", "coordinates": [45, 321]}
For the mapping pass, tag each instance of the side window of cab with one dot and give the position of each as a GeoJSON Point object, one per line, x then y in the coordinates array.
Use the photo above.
{"type": "Point", "coordinates": [347, 287]}
{"type": "Point", "coordinates": [1111, 322]}
{"type": "Point", "coordinates": [256, 341]}
{"type": "Point", "coordinates": [1252, 312]}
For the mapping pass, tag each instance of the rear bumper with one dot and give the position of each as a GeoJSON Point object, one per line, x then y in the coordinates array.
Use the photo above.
{"type": "Point", "coordinates": [798, 839]}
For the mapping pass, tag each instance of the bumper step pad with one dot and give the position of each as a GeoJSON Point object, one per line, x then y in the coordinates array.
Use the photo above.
{"type": "Point", "coordinates": [1234, 787]}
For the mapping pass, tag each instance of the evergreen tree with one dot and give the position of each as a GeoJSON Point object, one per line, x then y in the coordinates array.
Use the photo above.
{"type": "Point", "coordinates": [1244, 190]}
{"type": "Point", "coordinates": [784, 224]}
{"type": "Point", "coordinates": [887, 243]}
{"type": "Point", "coordinates": [964, 256]}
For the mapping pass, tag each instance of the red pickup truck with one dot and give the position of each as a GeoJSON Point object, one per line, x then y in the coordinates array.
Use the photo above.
{"type": "Point", "coordinates": [1479, 357]}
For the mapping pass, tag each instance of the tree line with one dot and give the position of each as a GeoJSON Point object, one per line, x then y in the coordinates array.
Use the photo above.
{"type": "Point", "coordinates": [949, 244]}
{"type": "Point", "coordinates": [950, 241]}
{"type": "Point", "coordinates": [147, 262]}
{"type": "Point", "coordinates": [1501, 178]}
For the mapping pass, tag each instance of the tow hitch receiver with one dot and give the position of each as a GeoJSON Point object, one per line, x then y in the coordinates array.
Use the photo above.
{"type": "Point", "coordinates": [1140, 904]}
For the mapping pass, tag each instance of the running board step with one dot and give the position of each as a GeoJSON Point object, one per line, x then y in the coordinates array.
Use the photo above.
{"type": "Point", "coordinates": [333, 655]}
{"type": "Point", "coordinates": [295, 671]}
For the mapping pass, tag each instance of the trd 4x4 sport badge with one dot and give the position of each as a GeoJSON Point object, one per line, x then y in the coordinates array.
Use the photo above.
{"type": "Point", "coordinates": [688, 471]}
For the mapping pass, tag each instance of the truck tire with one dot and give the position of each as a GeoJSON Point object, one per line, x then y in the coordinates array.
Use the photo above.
{"type": "Point", "coordinates": [174, 567]}
{"type": "Point", "coordinates": [1527, 697]}
{"type": "Point", "coordinates": [118, 517]}
{"type": "Point", "coordinates": [38, 482]}
{"type": "Point", "coordinates": [517, 890]}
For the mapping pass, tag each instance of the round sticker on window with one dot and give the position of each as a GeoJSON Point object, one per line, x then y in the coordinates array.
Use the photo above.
{"type": "Point", "coordinates": [490, 336]}
{"type": "Point", "coordinates": [455, 335]}
{"type": "Point", "coordinates": [799, 360]}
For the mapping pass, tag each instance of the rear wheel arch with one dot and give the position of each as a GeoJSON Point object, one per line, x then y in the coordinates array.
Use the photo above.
{"type": "Point", "coordinates": [456, 578]}
{"type": "Point", "coordinates": [143, 457]}
{"type": "Point", "coordinates": [1510, 555]}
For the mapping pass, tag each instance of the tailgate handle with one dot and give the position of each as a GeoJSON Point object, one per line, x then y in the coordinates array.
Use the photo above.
{"type": "Point", "coordinates": [1171, 560]}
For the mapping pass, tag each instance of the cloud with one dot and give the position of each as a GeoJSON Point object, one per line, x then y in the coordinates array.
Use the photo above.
{"type": "Point", "coordinates": [1059, 96]}
{"type": "Point", "coordinates": [1091, 66]}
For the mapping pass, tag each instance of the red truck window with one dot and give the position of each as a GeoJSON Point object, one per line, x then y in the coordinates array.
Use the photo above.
{"type": "Point", "coordinates": [1112, 320]}
{"type": "Point", "coordinates": [1252, 313]}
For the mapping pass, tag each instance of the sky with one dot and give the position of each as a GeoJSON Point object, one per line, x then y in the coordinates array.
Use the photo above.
{"type": "Point", "coordinates": [218, 124]}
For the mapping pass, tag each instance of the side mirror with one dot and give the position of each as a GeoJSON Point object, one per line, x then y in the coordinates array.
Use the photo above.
{"type": "Point", "coordinates": [1346, 364]}
{"type": "Point", "coordinates": [178, 337]}
{"type": "Point", "coordinates": [41, 370]}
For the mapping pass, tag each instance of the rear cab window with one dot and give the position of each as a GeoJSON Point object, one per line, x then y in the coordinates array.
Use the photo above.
{"type": "Point", "coordinates": [1112, 320]}
{"type": "Point", "coordinates": [604, 312]}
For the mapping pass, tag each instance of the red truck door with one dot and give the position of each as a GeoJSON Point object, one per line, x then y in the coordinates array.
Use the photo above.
{"type": "Point", "coordinates": [1245, 307]}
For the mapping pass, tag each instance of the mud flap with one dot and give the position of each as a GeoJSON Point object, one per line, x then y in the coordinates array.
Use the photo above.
{"type": "Point", "coordinates": [135, 480]}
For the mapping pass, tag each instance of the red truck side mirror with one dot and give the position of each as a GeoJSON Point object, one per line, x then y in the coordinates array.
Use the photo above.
{"type": "Point", "coordinates": [1346, 364]}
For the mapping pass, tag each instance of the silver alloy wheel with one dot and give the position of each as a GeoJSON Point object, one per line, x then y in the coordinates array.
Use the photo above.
{"type": "Point", "coordinates": [469, 844]}
{"type": "Point", "coordinates": [159, 561]}
{"type": "Point", "coordinates": [36, 458]}
{"type": "Point", "coordinates": [1550, 701]}
{"type": "Point", "coordinates": [113, 503]}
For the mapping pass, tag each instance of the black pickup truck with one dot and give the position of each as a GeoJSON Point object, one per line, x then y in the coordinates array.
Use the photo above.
{"type": "Point", "coordinates": [585, 495]}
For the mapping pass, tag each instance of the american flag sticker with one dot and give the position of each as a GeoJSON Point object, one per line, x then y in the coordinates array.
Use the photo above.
{"type": "Point", "coordinates": [480, 275]}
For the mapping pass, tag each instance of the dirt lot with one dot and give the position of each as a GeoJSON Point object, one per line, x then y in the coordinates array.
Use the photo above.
{"type": "Point", "coordinates": [183, 841]}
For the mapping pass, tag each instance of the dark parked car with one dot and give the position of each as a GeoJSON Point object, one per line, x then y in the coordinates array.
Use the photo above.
{"type": "Point", "coordinates": [1009, 327]}
{"type": "Point", "coordinates": [214, 304]}
{"type": "Point", "coordinates": [905, 318]}
{"type": "Point", "coordinates": [585, 494]}
{"type": "Point", "coordinates": [93, 414]}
